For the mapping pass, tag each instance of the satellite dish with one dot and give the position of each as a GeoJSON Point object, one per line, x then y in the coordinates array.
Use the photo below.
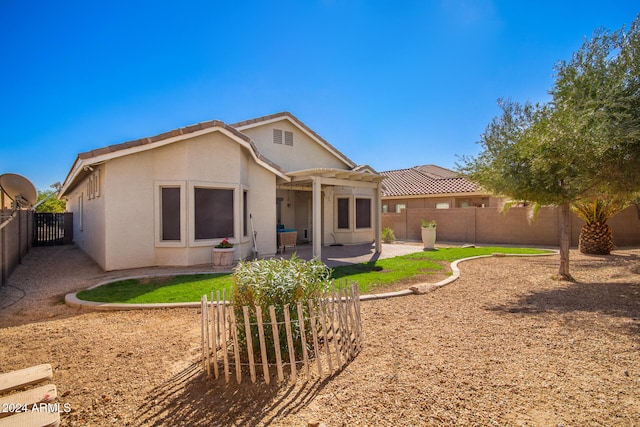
{"type": "Point", "coordinates": [19, 189]}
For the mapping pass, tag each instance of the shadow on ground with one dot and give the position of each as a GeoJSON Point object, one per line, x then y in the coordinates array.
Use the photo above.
{"type": "Point", "coordinates": [611, 299]}
{"type": "Point", "coordinates": [189, 398]}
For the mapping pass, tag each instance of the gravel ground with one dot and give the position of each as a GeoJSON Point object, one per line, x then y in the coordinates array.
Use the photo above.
{"type": "Point", "coordinates": [504, 345]}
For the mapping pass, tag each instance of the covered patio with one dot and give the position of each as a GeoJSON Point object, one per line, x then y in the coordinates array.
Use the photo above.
{"type": "Point", "coordinates": [334, 207]}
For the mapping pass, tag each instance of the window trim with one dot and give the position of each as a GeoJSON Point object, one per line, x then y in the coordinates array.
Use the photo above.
{"type": "Point", "coordinates": [245, 212]}
{"type": "Point", "coordinates": [337, 227]}
{"type": "Point", "coordinates": [81, 212]}
{"type": "Point", "coordinates": [352, 213]}
{"type": "Point", "coordinates": [158, 185]}
{"type": "Point", "coordinates": [355, 213]}
{"type": "Point", "coordinates": [236, 204]}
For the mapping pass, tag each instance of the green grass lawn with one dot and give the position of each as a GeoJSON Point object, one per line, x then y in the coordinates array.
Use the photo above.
{"type": "Point", "coordinates": [182, 288]}
{"type": "Point", "coordinates": [369, 276]}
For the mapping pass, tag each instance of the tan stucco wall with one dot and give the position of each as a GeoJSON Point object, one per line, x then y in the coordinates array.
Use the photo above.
{"type": "Point", "coordinates": [489, 225]}
{"type": "Point", "coordinates": [132, 184]}
{"type": "Point", "coordinates": [88, 230]}
{"type": "Point", "coordinates": [304, 154]}
{"type": "Point", "coordinates": [262, 206]}
{"type": "Point", "coordinates": [129, 220]}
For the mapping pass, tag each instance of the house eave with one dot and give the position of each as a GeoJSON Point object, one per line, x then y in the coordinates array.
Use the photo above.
{"type": "Point", "coordinates": [103, 155]}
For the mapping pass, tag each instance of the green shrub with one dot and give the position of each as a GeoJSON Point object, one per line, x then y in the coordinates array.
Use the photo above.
{"type": "Point", "coordinates": [277, 282]}
{"type": "Point", "coordinates": [388, 236]}
{"type": "Point", "coordinates": [429, 224]}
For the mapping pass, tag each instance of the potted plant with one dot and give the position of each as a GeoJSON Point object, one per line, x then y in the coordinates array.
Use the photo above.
{"type": "Point", "coordinates": [223, 254]}
{"type": "Point", "coordinates": [429, 234]}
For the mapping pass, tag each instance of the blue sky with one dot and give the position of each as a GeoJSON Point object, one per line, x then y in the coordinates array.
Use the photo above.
{"type": "Point", "coordinates": [390, 84]}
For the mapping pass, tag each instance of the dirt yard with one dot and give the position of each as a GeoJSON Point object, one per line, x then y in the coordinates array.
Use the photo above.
{"type": "Point", "coordinates": [504, 345]}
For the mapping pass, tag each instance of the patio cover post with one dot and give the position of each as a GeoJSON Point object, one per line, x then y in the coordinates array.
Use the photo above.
{"type": "Point", "coordinates": [317, 216]}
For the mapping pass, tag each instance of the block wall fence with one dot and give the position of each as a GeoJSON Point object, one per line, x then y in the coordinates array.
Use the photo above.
{"type": "Point", "coordinates": [15, 241]}
{"type": "Point", "coordinates": [476, 225]}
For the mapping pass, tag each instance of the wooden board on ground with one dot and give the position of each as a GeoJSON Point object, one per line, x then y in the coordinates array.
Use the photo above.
{"type": "Point", "coordinates": [22, 377]}
{"type": "Point", "coordinates": [31, 419]}
{"type": "Point", "coordinates": [43, 393]}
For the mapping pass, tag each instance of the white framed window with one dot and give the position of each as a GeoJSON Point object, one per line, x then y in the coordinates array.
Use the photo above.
{"type": "Point", "coordinates": [213, 213]}
{"type": "Point", "coordinates": [170, 213]}
{"type": "Point", "coordinates": [343, 213]}
{"type": "Point", "coordinates": [96, 185]}
{"type": "Point", "coordinates": [213, 210]}
{"type": "Point", "coordinates": [245, 212]}
{"type": "Point", "coordinates": [442, 205]}
{"type": "Point", "coordinates": [81, 211]}
{"type": "Point", "coordinates": [363, 212]}
{"type": "Point", "coordinates": [400, 206]}
{"type": "Point", "coordinates": [353, 213]}
{"type": "Point", "coordinates": [93, 186]}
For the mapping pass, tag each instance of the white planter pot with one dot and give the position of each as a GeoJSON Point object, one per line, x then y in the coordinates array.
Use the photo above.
{"type": "Point", "coordinates": [429, 237]}
{"type": "Point", "coordinates": [223, 257]}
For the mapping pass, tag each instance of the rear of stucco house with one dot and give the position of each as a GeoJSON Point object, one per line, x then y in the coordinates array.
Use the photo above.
{"type": "Point", "coordinates": [168, 200]}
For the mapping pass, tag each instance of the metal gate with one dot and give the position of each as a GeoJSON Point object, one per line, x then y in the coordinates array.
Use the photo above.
{"type": "Point", "coordinates": [49, 229]}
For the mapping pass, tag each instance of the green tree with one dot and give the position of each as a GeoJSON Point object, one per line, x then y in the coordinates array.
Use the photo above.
{"type": "Point", "coordinates": [583, 144]}
{"type": "Point", "coordinates": [49, 202]}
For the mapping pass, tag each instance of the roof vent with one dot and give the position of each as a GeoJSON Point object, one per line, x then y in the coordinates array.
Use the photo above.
{"type": "Point", "coordinates": [277, 136]}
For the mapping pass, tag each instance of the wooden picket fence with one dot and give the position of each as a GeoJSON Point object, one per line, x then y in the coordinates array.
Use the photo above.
{"type": "Point", "coordinates": [335, 338]}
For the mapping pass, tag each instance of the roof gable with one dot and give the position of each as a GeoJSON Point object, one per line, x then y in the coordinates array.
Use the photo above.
{"type": "Point", "coordinates": [290, 118]}
{"type": "Point", "coordinates": [425, 180]}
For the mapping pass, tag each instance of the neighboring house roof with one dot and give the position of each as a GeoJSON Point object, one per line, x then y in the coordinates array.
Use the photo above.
{"type": "Point", "coordinates": [425, 180]}
{"type": "Point", "coordinates": [299, 124]}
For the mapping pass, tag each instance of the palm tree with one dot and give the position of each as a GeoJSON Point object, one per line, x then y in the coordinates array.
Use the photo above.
{"type": "Point", "coordinates": [596, 236]}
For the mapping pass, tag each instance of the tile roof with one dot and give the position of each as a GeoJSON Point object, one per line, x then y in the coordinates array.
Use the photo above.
{"type": "Point", "coordinates": [233, 128]}
{"type": "Point", "coordinates": [166, 135]}
{"type": "Point", "coordinates": [426, 179]}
